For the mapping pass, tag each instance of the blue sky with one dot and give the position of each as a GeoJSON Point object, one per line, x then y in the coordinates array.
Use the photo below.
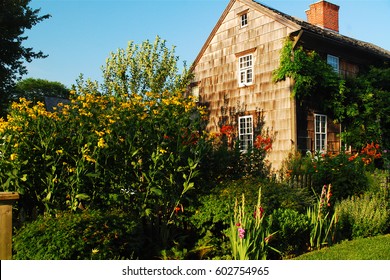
{"type": "Point", "coordinates": [81, 34]}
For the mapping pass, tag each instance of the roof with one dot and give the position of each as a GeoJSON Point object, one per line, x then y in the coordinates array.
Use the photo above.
{"type": "Point", "coordinates": [51, 102]}
{"type": "Point", "coordinates": [309, 30]}
{"type": "Point", "coordinates": [332, 35]}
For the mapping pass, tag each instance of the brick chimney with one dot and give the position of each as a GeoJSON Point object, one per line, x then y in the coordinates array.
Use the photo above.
{"type": "Point", "coordinates": [324, 14]}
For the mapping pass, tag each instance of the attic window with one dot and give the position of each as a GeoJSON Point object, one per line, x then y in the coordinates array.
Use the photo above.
{"type": "Point", "coordinates": [244, 19]}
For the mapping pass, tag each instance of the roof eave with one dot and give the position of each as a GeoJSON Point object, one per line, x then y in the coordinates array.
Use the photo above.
{"type": "Point", "coordinates": [359, 51]}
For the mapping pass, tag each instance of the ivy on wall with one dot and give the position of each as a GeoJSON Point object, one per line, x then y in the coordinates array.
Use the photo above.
{"type": "Point", "coordinates": [311, 74]}
{"type": "Point", "coordinates": [360, 104]}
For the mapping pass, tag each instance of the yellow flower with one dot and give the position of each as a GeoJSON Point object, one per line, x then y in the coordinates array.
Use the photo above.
{"type": "Point", "coordinates": [71, 170]}
{"type": "Point", "coordinates": [101, 143]}
{"type": "Point", "coordinates": [13, 156]}
{"type": "Point", "coordinates": [95, 251]}
{"type": "Point", "coordinates": [59, 152]}
{"type": "Point", "coordinates": [88, 158]}
{"type": "Point", "coordinates": [99, 133]}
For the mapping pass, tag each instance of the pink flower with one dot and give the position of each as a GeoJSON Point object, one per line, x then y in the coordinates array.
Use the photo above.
{"type": "Point", "coordinates": [241, 232]}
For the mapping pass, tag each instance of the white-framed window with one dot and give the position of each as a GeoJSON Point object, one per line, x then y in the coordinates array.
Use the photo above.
{"type": "Point", "coordinates": [244, 20]}
{"type": "Point", "coordinates": [245, 73]}
{"type": "Point", "coordinates": [245, 132]}
{"type": "Point", "coordinates": [195, 92]}
{"type": "Point", "coordinates": [334, 62]}
{"type": "Point", "coordinates": [320, 124]}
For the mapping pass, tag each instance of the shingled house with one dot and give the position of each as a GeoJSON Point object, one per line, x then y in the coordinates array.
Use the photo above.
{"type": "Point", "coordinates": [233, 74]}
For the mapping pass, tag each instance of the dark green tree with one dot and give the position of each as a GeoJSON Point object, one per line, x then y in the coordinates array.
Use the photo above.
{"type": "Point", "coordinates": [37, 89]}
{"type": "Point", "coordinates": [365, 111]}
{"type": "Point", "coordinates": [15, 18]}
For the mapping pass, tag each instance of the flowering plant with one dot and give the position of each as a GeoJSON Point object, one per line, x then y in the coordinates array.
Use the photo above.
{"type": "Point", "coordinates": [322, 222]}
{"type": "Point", "coordinates": [249, 235]}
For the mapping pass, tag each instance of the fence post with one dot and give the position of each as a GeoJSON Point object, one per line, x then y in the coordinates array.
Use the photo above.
{"type": "Point", "coordinates": [6, 201]}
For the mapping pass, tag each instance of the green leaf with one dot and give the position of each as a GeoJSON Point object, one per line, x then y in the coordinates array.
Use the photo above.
{"type": "Point", "coordinates": [156, 191]}
{"type": "Point", "coordinates": [48, 197]}
{"type": "Point", "coordinates": [82, 196]}
{"type": "Point", "coordinates": [24, 178]}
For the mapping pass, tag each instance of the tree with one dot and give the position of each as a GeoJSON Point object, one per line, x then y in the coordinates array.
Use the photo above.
{"type": "Point", "coordinates": [364, 110]}
{"type": "Point", "coordinates": [37, 89]}
{"type": "Point", "coordinates": [143, 68]}
{"type": "Point", "coordinates": [15, 17]}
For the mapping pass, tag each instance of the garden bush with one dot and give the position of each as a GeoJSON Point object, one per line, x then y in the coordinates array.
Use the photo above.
{"type": "Point", "coordinates": [137, 153]}
{"type": "Point", "coordinates": [292, 236]}
{"type": "Point", "coordinates": [211, 215]}
{"type": "Point", "coordinates": [363, 216]}
{"type": "Point", "coordinates": [346, 173]}
{"type": "Point", "coordinates": [80, 236]}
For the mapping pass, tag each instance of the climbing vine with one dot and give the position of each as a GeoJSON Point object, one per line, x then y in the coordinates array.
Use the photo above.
{"type": "Point", "coordinates": [311, 73]}
{"type": "Point", "coordinates": [360, 103]}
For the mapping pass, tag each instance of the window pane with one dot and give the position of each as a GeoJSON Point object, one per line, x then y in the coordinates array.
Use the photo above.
{"type": "Point", "coordinates": [323, 124]}
{"type": "Point", "coordinates": [323, 138]}
{"type": "Point", "coordinates": [249, 76]}
{"type": "Point", "coordinates": [242, 79]}
{"type": "Point", "coordinates": [317, 124]}
{"type": "Point", "coordinates": [244, 19]}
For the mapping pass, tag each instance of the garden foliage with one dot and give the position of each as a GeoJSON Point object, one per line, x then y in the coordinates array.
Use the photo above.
{"type": "Point", "coordinates": [345, 171]}
{"type": "Point", "coordinates": [136, 153]}
{"type": "Point", "coordinates": [249, 233]}
{"type": "Point", "coordinates": [293, 232]}
{"type": "Point", "coordinates": [89, 235]}
{"type": "Point", "coordinates": [359, 103]}
{"type": "Point", "coordinates": [364, 216]}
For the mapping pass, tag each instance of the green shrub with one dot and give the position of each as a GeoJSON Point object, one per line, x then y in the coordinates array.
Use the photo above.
{"type": "Point", "coordinates": [277, 195]}
{"type": "Point", "coordinates": [346, 173]}
{"type": "Point", "coordinates": [211, 216]}
{"type": "Point", "coordinates": [79, 236]}
{"type": "Point", "coordinates": [292, 229]}
{"type": "Point", "coordinates": [363, 216]}
{"type": "Point", "coordinates": [348, 177]}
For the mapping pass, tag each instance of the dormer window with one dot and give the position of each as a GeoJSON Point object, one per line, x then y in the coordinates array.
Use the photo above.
{"type": "Point", "coordinates": [333, 61]}
{"type": "Point", "coordinates": [244, 19]}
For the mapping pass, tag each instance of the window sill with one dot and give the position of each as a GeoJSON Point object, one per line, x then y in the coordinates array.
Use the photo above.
{"type": "Point", "coordinates": [246, 85]}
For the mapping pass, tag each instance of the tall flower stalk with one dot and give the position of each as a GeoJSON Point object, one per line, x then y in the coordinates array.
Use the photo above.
{"type": "Point", "coordinates": [322, 222]}
{"type": "Point", "coordinates": [249, 233]}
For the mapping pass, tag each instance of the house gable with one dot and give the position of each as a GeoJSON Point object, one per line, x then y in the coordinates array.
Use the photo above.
{"type": "Point", "coordinates": [253, 5]}
{"type": "Point", "coordinates": [217, 73]}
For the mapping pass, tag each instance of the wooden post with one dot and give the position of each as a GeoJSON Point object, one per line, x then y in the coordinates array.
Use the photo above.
{"type": "Point", "coordinates": [6, 201]}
